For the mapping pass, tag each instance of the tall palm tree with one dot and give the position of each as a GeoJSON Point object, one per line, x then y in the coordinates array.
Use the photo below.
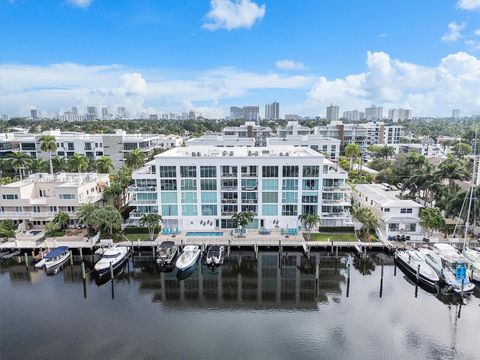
{"type": "Point", "coordinates": [20, 161]}
{"type": "Point", "coordinates": [48, 144]}
{"type": "Point", "coordinates": [86, 214]}
{"type": "Point", "coordinates": [352, 151]}
{"type": "Point", "coordinates": [61, 219]}
{"type": "Point", "coordinates": [108, 218]}
{"type": "Point", "coordinates": [135, 159]}
{"type": "Point", "coordinates": [243, 218]}
{"type": "Point", "coordinates": [59, 164]}
{"type": "Point", "coordinates": [152, 222]}
{"type": "Point", "coordinates": [78, 163]}
{"type": "Point", "coordinates": [112, 194]}
{"type": "Point", "coordinates": [104, 165]}
{"type": "Point", "coordinates": [452, 169]}
{"type": "Point", "coordinates": [368, 219]}
{"type": "Point", "coordinates": [309, 221]}
{"type": "Point", "coordinates": [38, 166]}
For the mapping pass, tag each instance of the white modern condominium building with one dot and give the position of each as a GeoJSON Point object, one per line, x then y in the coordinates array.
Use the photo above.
{"type": "Point", "coordinates": [36, 200]}
{"type": "Point", "coordinates": [202, 187]}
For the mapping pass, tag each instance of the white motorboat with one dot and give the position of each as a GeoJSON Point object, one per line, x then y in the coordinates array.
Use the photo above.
{"type": "Point", "coordinates": [473, 259]}
{"type": "Point", "coordinates": [113, 257]}
{"type": "Point", "coordinates": [449, 273]}
{"type": "Point", "coordinates": [166, 253]}
{"type": "Point", "coordinates": [215, 255]}
{"type": "Point", "coordinates": [56, 258]}
{"type": "Point", "coordinates": [189, 257]}
{"type": "Point", "coordinates": [412, 261]}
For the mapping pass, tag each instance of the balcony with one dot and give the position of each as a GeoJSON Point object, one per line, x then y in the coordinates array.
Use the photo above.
{"type": "Point", "coordinates": [134, 189]}
{"type": "Point", "coordinates": [334, 202]}
{"type": "Point", "coordinates": [335, 188]}
{"type": "Point", "coordinates": [249, 175]}
{"type": "Point", "coordinates": [334, 215]}
{"type": "Point", "coordinates": [249, 201]}
{"type": "Point", "coordinates": [229, 175]}
{"type": "Point", "coordinates": [229, 201]}
{"type": "Point", "coordinates": [249, 188]}
{"type": "Point", "coordinates": [228, 213]}
{"type": "Point", "coordinates": [229, 188]}
{"type": "Point", "coordinates": [143, 202]}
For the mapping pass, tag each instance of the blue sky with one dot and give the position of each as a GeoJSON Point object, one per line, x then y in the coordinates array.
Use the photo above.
{"type": "Point", "coordinates": [177, 55]}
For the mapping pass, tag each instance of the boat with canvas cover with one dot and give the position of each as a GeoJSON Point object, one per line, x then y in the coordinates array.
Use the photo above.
{"type": "Point", "coordinates": [56, 258]}
{"type": "Point", "coordinates": [114, 256]}
{"type": "Point", "coordinates": [166, 253]}
{"type": "Point", "coordinates": [189, 257]}
{"type": "Point", "coordinates": [215, 255]}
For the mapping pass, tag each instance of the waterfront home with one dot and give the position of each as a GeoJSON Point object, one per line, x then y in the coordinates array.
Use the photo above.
{"type": "Point", "coordinates": [396, 216]}
{"type": "Point", "coordinates": [34, 201]}
{"type": "Point", "coordinates": [202, 187]}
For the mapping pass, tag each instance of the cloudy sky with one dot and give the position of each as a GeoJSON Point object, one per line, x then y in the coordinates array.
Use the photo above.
{"type": "Point", "coordinates": [179, 55]}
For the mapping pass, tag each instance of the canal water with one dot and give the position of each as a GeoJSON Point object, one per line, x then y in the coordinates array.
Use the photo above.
{"type": "Point", "coordinates": [270, 308]}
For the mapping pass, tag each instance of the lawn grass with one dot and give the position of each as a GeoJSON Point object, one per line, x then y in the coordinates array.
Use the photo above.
{"type": "Point", "coordinates": [334, 237]}
{"type": "Point", "coordinates": [135, 237]}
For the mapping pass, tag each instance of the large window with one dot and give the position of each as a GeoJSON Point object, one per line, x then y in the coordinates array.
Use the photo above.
{"type": "Point", "coordinates": [189, 210]}
{"type": "Point", "coordinates": [270, 171]}
{"type": "Point", "coordinates": [229, 171]}
{"type": "Point", "coordinates": [249, 184]}
{"type": "Point", "coordinates": [168, 197]}
{"type": "Point", "coordinates": [311, 171]}
{"type": "Point", "coordinates": [229, 197]}
{"type": "Point", "coordinates": [249, 171]}
{"type": "Point", "coordinates": [208, 171]}
{"type": "Point", "coordinates": [188, 171]}
{"type": "Point", "coordinates": [289, 210]}
{"type": "Point", "coordinates": [249, 197]}
{"type": "Point", "coordinates": [309, 198]}
{"type": "Point", "coordinates": [169, 210]}
{"type": "Point", "coordinates": [146, 182]}
{"type": "Point", "coordinates": [228, 210]}
{"type": "Point", "coordinates": [208, 197]}
{"type": "Point", "coordinates": [189, 184]}
{"type": "Point", "coordinates": [229, 184]}
{"type": "Point", "coordinates": [289, 184]}
{"type": "Point", "coordinates": [168, 171]}
{"type": "Point", "coordinates": [290, 171]}
{"type": "Point", "coordinates": [310, 209]}
{"type": "Point", "coordinates": [168, 185]}
{"type": "Point", "coordinates": [270, 184]}
{"type": "Point", "coordinates": [189, 197]}
{"type": "Point", "coordinates": [393, 227]}
{"type": "Point", "coordinates": [290, 197]}
{"type": "Point", "coordinates": [208, 184]}
{"type": "Point", "coordinates": [209, 210]}
{"type": "Point", "coordinates": [310, 184]}
{"type": "Point", "coordinates": [270, 197]}
{"type": "Point", "coordinates": [146, 196]}
{"type": "Point", "coordinates": [269, 210]}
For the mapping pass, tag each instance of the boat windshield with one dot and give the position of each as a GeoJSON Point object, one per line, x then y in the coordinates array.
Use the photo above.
{"type": "Point", "coordinates": [111, 256]}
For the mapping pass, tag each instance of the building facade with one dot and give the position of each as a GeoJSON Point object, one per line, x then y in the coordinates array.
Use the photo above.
{"type": "Point", "coordinates": [333, 112]}
{"type": "Point", "coordinates": [395, 115]}
{"type": "Point", "coordinates": [202, 187]}
{"type": "Point", "coordinates": [374, 113]}
{"type": "Point", "coordinates": [272, 111]}
{"type": "Point", "coordinates": [327, 146]}
{"type": "Point", "coordinates": [36, 200]}
{"type": "Point", "coordinates": [249, 130]}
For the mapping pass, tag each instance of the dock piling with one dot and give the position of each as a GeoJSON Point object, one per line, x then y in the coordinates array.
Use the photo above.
{"type": "Point", "coordinates": [416, 282]}
{"type": "Point", "coordinates": [71, 258]}
{"type": "Point", "coordinates": [84, 275]}
{"type": "Point", "coordinates": [336, 252]}
{"type": "Point", "coordinates": [461, 290]}
{"type": "Point", "coordinates": [81, 253]}
{"type": "Point", "coordinates": [111, 271]}
{"type": "Point", "coordinates": [381, 282]}
{"type": "Point", "coordinates": [348, 280]}
{"type": "Point", "coordinates": [25, 255]}
{"type": "Point", "coordinates": [331, 242]}
{"type": "Point", "coordinates": [228, 248]}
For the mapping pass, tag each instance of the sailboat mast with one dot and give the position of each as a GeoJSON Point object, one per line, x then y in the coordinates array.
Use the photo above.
{"type": "Point", "coordinates": [471, 190]}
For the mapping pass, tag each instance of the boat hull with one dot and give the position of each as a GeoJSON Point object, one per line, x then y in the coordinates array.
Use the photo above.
{"type": "Point", "coordinates": [183, 265]}
{"type": "Point", "coordinates": [412, 274]}
{"type": "Point", "coordinates": [106, 270]}
{"type": "Point", "coordinates": [53, 266]}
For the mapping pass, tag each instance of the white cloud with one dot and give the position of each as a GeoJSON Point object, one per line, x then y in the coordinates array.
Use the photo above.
{"type": "Point", "coordinates": [476, 32]}
{"type": "Point", "coordinates": [80, 3]}
{"type": "Point", "coordinates": [59, 86]}
{"type": "Point", "coordinates": [468, 4]}
{"type": "Point", "coordinates": [473, 45]}
{"type": "Point", "coordinates": [233, 14]}
{"type": "Point", "coordinates": [286, 64]}
{"type": "Point", "coordinates": [453, 83]}
{"type": "Point", "coordinates": [454, 32]}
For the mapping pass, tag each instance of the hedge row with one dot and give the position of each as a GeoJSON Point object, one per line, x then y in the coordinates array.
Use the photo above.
{"type": "Point", "coordinates": [138, 230]}
{"type": "Point", "coordinates": [337, 229]}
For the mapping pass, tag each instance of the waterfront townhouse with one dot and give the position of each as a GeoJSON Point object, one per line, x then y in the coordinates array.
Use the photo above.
{"type": "Point", "coordinates": [116, 146]}
{"type": "Point", "coordinates": [202, 187]}
{"type": "Point", "coordinates": [396, 216]}
{"type": "Point", "coordinates": [36, 200]}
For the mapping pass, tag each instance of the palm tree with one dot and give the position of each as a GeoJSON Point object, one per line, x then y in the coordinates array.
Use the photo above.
{"type": "Point", "coordinates": [151, 221]}
{"type": "Point", "coordinates": [59, 164]}
{"type": "Point", "coordinates": [86, 214]}
{"type": "Point", "coordinates": [78, 163]}
{"type": "Point", "coordinates": [112, 194]}
{"type": "Point", "coordinates": [108, 218]}
{"type": "Point", "coordinates": [104, 165]}
{"type": "Point", "coordinates": [243, 218]}
{"type": "Point", "coordinates": [431, 219]}
{"type": "Point", "coordinates": [48, 144]}
{"type": "Point", "coordinates": [20, 161]}
{"type": "Point", "coordinates": [61, 219]}
{"type": "Point", "coordinates": [352, 151]}
{"type": "Point", "coordinates": [135, 159]}
{"type": "Point", "coordinates": [309, 221]}
{"type": "Point", "coordinates": [51, 228]}
{"type": "Point", "coordinates": [38, 166]}
{"type": "Point", "coordinates": [368, 219]}
{"type": "Point", "coordinates": [452, 169]}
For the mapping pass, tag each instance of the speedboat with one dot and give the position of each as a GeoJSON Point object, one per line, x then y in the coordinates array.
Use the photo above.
{"type": "Point", "coordinates": [215, 255]}
{"type": "Point", "coordinates": [8, 254]}
{"type": "Point", "coordinates": [473, 259]}
{"type": "Point", "coordinates": [189, 257]}
{"type": "Point", "coordinates": [412, 261]}
{"type": "Point", "coordinates": [451, 275]}
{"type": "Point", "coordinates": [56, 258]}
{"type": "Point", "coordinates": [113, 257]}
{"type": "Point", "coordinates": [166, 253]}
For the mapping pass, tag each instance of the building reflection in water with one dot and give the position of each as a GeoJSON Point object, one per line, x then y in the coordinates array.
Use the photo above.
{"type": "Point", "coordinates": [245, 282]}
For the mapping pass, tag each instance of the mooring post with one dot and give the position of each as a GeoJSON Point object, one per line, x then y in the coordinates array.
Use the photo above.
{"type": "Point", "coordinates": [25, 255]}
{"type": "Point", "coordinates": [84, 275]}
{"type": "Point", "coordinates": [228, 248]}
{"type": "Point", "coordinates": [336, 251]}
{"type": "Point", "coordinates": [111, 271]}
{"type": "Point", "coordinates": [364, 251]}
{"type": "Point", "coordinates": [331, 242]}
{"type": "Point", "coordinates": [153, 251]}
{"type": "Point", "coordinates": [181, 244]}
{"type": "Point", "coordinates": [71, 258]}
{"type": "Point", "coordinates": [81, 253]}
{"type": "Point", "coordinates": [417, 278]}
{"type": "Point", "coordinates": [348, 280]}
{"type": "Point", "coordinates": [139, 248]}
{"type": "Point", "coordinates": [461, 290]}
{"type": "Point", "coordinates": [280, 246]}
{"type": "Point", "coordinates": [84, 288]}
{"type": "Point", "coordinates": [381, 282]}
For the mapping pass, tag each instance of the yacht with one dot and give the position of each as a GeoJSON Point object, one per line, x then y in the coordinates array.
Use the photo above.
{"type": "Point", "coordinates": [189, 257]}
{"type": "Point", "coordinates": [166, 253]}
{"type": "Point", "coordinates": [450, 273]}
{"type": "Point", "coordinates": [56, 258]}
{"type": "Point", "coordinates": [215, 255]}
{"type": "Point", "coordinates": [116, 256]}
{"type": "Point", "coordinates": [410, 261]}
{"type": "Point", "coordinates": [473, 259]}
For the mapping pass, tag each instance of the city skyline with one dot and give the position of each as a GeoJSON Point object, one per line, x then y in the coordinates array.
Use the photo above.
{"type": "Point", "coordinates": [202, 72]}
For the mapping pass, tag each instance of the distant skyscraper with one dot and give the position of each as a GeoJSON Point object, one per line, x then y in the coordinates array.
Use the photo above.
{"type": "Point", "coordinates": [399, 114]}
{"type": "Point", "coordinates": [122, 112]}
{"type": "Point", "coordinates": [92, 113]}
{"type": "Point", "coordinates": [5, 117]}
{"type": "Point", "coordinates": [191, 115]}
{"type": "Point", "coordinates": [236, 112]}
{"type": "Point", "coordinates": [104, 112]}
{"type": "Point", "coordinates": [374, 113]}
{"type": "Point", "coordinates": [272, 111]}
{"type": "Point", "coordinates": [333, 112]}
{"type": "Point", "coordinates": [251, 113]}
{"type": "Point", "coordinates": [456, 113]}
{"type": "Point", "coordinates": [153, 117]}
{"type": "Point", "coordinates": [353, 115]}
{"type": "Point", "coordinates": [74, 110]}
{"type": "Point", "coordinates": [34, 114]}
